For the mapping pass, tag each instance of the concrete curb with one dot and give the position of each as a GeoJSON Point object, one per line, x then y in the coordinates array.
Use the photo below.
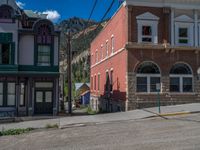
{"type": "Point", "coordinates": [175, 114]}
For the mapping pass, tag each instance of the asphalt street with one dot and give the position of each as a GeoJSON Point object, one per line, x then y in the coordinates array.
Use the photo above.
{"type": "Point", "coordinates": [175, 133]}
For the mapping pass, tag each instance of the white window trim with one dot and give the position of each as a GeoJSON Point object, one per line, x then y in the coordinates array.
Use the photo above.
{"type": "Point", "coordinates": [106, 47]}
{"type": "Point", "coordinates": [101, 51]}
{"type": "Point", "coordinates": [96, 56]}
{"type": "Point", "coordinates": [112, 44]}
{"type": "Point", "coordinates": [148, 76]}
{"type": "Point", "coordinates": [154, 26]}
{"type": "Point", "coordinates": [181, 82]}
{"type": "Point", "coordinates": [190, 27]}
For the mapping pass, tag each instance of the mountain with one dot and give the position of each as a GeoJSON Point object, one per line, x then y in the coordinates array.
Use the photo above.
{"type": "Point", "coordinates": [83, 32]}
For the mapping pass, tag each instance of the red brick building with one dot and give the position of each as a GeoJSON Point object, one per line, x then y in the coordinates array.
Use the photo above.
{"type": "Point", "coordinates": [145, 49]}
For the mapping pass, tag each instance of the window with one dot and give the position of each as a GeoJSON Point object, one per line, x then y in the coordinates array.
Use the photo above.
{"type": "Point", "coordinates": [147, 28]}
{"type": "Point", "coordinates": [107, 82]}
{"type": "Point", "coordinates": [106, 48]}
{"type": "Point", "coordinates": [102, 52]}
{"type": "Point", "coordinates": [111, 80]}
{"type": "Point", "coordinates": [96, 55]}
{"type": "Point", "coordinates": [147, 34]}
{"type": "Point", "coordinates": [98, 82]}
{"type": "Point", "coordinates": [181, 79]}
{"type": "Point", "coordinates": [10, 94]}
{"type": "Point", "coordinates": [113, 43]}
{"type": "Point", "coordinates": [6, 12]}
{"type": "Point", "coordinates": [148, 78]}
{"type": "Point", "coordinates": [7, 94]}
{"type": "Point", "coordinates": [95, 81]}
{"type": "Point", "coordinates": [184, 34]}
{"type": "Point", "coordinates": [44, 44]}
{"type": "Point", "coordinates": [22, 94]}
{"type": "Point", "coordinates": [44, 58]}
{"type": "Point", "coordinates": [5, 54]}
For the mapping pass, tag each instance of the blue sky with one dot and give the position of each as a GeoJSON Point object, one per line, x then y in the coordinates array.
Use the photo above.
{"type": "Point", "coordinates": [58, 10]}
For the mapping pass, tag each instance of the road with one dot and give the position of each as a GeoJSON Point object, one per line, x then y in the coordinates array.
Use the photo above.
{"type": "Point", "coordinates": [176, 133]}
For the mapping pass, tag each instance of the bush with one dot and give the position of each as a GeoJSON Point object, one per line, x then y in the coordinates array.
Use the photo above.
{"type": "Point", "coordinates": [48, 126]}
{"type": "Point", "coordinates": [15, 131]}
{"type": "Point", "coordinates": [90, 111]}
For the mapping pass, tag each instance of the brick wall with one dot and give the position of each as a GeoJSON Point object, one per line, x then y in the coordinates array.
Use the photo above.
{"type": "Point", "coordinates": [164, 22]}
{"type": "Point", "coordinates": [116, 61]}
{"type": "Point", "coordinates": [165, 61]}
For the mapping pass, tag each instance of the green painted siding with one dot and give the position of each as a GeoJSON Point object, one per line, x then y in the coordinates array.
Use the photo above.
{"type": "Point", "coordinates": [38, 68]}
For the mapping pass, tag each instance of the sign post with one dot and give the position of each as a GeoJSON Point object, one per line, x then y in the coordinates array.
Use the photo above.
{"type": "Point", "coordinates": [158, 96]}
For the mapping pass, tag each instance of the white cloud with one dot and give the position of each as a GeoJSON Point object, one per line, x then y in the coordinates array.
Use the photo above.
{"type": "Point", "coordinates": [52, 15]}
{"type": "Point", "coordinates": [20, 4]}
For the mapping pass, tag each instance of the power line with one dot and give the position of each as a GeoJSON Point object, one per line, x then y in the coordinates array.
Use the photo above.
{"type": "Point", "coordinates": [94, 6]}
{"type": "Point", "coordinates": [106, 13]}
{"type": "Point", "coordinates": [89, 18]}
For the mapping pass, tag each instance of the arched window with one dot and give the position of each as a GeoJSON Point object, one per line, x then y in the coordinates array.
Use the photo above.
{"type": "Point", "coordinates": [181, 78]}
{"type": "Point", "coordinates": [148, 78]}
{"type": "Point", "coordinates": [44, 42]}
{"type": "Point", "coordinates": [6, 12]}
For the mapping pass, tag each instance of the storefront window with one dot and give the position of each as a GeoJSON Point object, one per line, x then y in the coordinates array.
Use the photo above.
{"type": "Point", "coordinates": [11, 94]}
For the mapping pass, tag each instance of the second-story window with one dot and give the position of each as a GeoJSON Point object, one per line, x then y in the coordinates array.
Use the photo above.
{"type": "Point", "coordinates": [96, 55]}
{"type": "Point", "coordinates": [147, 34]}
{"type": "Point", "coordinates": [106, 48]}
{"type": "Point", "coordinates": [44, 45]}
{"type": "Point", "coordinates": [183, 36]}
{"type": "Point", "coordinates": [147, 28]}
{"type": "Point", "coordinates": [184, 31]}
{"type": "Point", "coordinates": [102, 52]}
{"type": "Point", "coordinates": [113, 43]}
{"type": "Point", "coordinates": [5, 54]}
{"type": "Point", "coordinates": [6, 14]}
{"type": "Point", "coordinates": [7, 48]}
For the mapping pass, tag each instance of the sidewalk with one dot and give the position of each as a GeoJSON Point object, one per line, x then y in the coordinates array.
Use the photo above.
{"type": "Point", "coordinates": [103, 118]}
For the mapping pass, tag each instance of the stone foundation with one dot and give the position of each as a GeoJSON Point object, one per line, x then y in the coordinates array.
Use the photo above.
{"type": "Point", "coordinates": [138, 101]}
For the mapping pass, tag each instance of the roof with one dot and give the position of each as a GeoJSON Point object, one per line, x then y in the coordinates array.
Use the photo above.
{"type": "Point", "coordinates": [79, 85]}
{"type": "Point", "coordinates": [85, 93]}
{"type": "Point", "coordinates": [31, 14]}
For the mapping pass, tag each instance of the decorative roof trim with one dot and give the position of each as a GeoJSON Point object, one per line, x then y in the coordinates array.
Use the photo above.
{"type": "Point", "coordinates": [184, 18]}
{"type": "Point", "coordinates": [147, 16]}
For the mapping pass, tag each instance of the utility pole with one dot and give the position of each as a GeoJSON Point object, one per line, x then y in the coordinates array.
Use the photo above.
{"type": "Point", "coordinates": [69, 73]}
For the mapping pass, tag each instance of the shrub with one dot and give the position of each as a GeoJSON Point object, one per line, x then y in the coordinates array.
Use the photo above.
{"type": "Point", "coordinates": [48, 126]}
{"type": "Point", "coordinates": [15, 131]}
{"type": "Point", "coordinates": [90, 111]}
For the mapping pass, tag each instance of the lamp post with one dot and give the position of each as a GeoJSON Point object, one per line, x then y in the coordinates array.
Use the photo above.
{"type": "Point", "coordinates": [158, 87]}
